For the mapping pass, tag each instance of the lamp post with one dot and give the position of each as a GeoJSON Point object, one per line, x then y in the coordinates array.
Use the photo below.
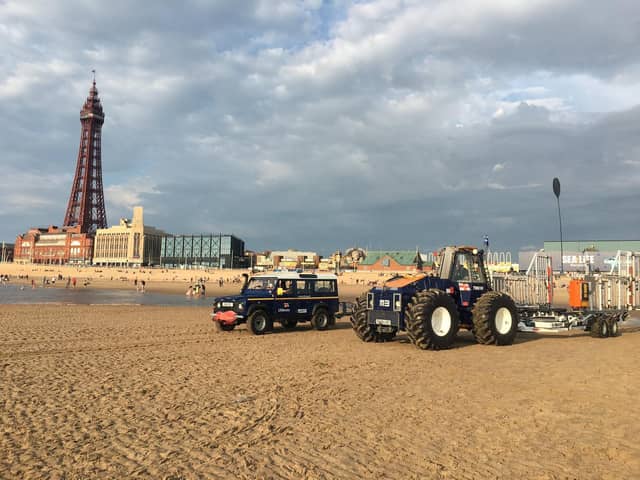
{"type": "Point", "coordinates": [556, 191]}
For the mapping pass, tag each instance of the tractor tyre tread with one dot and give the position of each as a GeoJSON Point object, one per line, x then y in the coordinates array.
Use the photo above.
{"type": "Point", "coordinates": [483, 322]}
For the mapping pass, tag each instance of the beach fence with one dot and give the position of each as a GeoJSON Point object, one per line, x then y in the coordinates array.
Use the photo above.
{"type": "Point", "coordinates": [534, 287]}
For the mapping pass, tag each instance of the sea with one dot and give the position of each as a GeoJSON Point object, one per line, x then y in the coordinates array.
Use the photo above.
{"type": "Point", "coordinates": [19, 294]}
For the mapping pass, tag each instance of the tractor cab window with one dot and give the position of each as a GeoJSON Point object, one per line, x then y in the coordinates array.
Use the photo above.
{"type": "Point", "coordinates": [468, 268]}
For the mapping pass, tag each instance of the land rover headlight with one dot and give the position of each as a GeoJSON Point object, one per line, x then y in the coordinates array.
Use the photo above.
{"type": "Point", "coordinates": [218, 305]}
{"type": "Point", "coordinates": [240, 307]}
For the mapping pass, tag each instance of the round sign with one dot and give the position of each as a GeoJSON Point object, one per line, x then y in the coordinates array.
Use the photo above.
{"type": "Point", "coordinates": [556, 187]}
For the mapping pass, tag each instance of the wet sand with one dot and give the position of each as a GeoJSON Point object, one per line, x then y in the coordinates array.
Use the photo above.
{"type": "Point", "coordinates": [157, 393]}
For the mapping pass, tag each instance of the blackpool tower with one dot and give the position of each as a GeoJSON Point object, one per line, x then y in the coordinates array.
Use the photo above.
{"type": "Point", "coordinates": [86, 203]}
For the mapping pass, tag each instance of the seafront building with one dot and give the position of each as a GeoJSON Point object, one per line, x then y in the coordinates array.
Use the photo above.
{"type": "Point", "coordinates": [131, 243]}
{"type": "Point", "coordinates": [202, 251]}
{"type": "Point", "coordinates": [600, 255]}
{"type": "Point", "coordinates": [54, 246]}
{"type": "Point", "coordinates": [391, 261]}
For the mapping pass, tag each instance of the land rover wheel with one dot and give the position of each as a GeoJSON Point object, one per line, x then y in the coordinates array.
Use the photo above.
{"type": "Point", "coordinates": [359, 321]}
{"type": "Point", "coordinates": [320, 319]}
{"type": "Point", "coordinates": [495, 319]}
{"type": "Point", "coordinates": [432, 320]}
{"type": "Point", "coordinates": [258, 322]}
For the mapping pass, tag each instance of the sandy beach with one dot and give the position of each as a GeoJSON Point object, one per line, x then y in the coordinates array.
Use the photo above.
{"type": "Point", "coordinates": [158, 393]}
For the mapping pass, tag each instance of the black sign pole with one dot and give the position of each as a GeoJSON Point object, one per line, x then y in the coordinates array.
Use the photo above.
{"type": "Point", "coordinates": [556, 191]}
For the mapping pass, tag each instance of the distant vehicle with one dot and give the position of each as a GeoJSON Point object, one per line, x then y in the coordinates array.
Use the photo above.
{"type": "Point", "coordinates": [431, 309]}
{"type": "Point", "coordinates": [285, 297]}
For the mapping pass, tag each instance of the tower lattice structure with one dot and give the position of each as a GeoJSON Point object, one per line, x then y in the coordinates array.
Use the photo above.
{"type": "Point", "coordinates": [86, 203]}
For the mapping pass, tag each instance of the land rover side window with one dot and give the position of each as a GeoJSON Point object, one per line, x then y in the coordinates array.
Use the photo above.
{"type": "Point", "coordinates": [302, 287]}
{"type": "Point", "coordinates": [324, 286]}
{"type": "Point", "coordinates": [261, 283]}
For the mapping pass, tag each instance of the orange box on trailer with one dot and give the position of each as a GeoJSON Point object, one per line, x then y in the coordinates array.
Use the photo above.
{"type": "Point", "coordinates": [578, 294]}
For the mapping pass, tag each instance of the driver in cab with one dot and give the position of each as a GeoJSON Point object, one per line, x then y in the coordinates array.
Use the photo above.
{"type": "Point", "coordinates": [285, 287]}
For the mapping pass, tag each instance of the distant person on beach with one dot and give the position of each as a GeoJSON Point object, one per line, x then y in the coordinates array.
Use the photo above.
{"type": "Point", "coordinates": [68, 282]}
{"type": "Point", "coordinates": [33, 283]}
{"type": "Point", "coordinates": [73, 281]}
{"type": "Point", "coordinates": [143, 284]}
{"type": "Point", "coordinates": [135, 284]}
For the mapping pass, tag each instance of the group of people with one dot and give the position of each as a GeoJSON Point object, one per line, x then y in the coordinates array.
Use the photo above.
{"type": "Point", "coordinates": [139, 285]}
{"type": "Point", "coordinates": [197, 290]}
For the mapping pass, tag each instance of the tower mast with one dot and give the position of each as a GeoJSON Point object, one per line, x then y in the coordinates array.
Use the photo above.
{"type": "Point", "coordinates": [86, 202]}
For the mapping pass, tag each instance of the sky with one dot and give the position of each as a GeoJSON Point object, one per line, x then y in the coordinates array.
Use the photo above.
{"type": "Point", "coordinates": [322, 125]}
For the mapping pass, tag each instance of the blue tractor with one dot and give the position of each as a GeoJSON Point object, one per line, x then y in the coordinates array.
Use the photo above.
{"type": "Point", "coordinates": [432, 308]}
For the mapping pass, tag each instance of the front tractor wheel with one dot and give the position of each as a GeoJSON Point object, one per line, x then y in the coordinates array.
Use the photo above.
{"type": "Point", "coordinates": [226, 327]}
{"type": "Point", "coordinates": [495, 319]}
{"type": "Point", "coordinates": [258, 322]}
{"type": "Point", "coordinates": [432, 320]}
{"type": "Point", "coordinates": [359, 321]}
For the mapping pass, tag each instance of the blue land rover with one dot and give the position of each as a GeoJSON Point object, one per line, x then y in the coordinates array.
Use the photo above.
{"type": "Point", "coordinates": [286, 297]}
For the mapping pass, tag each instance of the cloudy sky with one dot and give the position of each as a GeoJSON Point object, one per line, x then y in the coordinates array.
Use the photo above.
{"type": "Point", "coordinates": [321, 125]}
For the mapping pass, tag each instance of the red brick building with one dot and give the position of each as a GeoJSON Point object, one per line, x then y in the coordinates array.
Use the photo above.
{"type": "Point", "coordinates": [54, 246]}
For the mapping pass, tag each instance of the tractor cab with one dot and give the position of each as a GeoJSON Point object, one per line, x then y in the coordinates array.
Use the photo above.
{"type": "Point", "coordinates": [462, 264]}
{"type": "Point", "coordinates": [467, 277]}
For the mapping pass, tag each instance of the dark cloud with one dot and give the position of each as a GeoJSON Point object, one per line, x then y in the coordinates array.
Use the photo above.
{"type": "Point", "coordinates": [319, 126]}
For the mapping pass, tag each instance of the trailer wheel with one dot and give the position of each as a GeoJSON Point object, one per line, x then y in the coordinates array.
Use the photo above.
{"type": "Point", "coordinates": [432, 320]}
{"type": "Point", "coordinates": [289, 323]}
{"type": "Point", "coordinates": [259, 322]}
{"type": "Point", "coordinates": [495, 319]}
{"type": "Point", "coordinates": [359, 321]}
{"type": "Point", "coordinates": [320, 319]}
{"type": "Point", "coordinates": [600, 327]}
{"type": "Point", "coordinates": [614, 328]}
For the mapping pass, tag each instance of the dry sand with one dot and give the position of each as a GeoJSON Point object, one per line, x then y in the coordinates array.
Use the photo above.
{"type": "Point", "coordinates": [156, 392]}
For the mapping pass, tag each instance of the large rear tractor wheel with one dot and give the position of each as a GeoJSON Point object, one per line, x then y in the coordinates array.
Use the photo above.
{"type": "Point", "coordinates": [359, 321]}
{"type": "Point", "coordinates": [600, 327]}
{"type": "Point", "coordinates": [432, 320]}
{"type": "Point", "coordinates": [495, 319]}
{"type": "Point", "coordinates": [259, 322]}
